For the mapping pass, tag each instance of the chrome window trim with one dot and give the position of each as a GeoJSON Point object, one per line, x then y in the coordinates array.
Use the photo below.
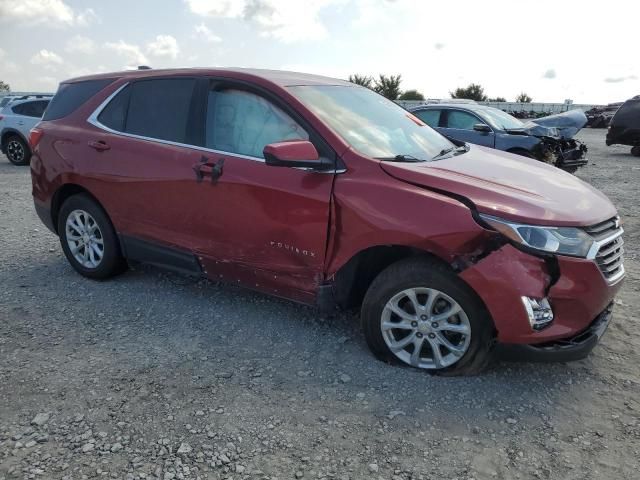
{"type": "Point", "coordinates": [93, 120]}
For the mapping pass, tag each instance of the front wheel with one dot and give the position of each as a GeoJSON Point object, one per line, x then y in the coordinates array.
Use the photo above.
{"type": "Point", "coordinates": [421, 314]}
{"type": "Point", "coordinates": [635, 151]}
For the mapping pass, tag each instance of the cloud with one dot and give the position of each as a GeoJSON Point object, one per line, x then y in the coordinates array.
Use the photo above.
{"type": "Point", "coordinates": [80, 44]}
{"type": "Point", "coordinates": [54, 13]}
{"type": "Point", "coordinates": [550, 74]}
{"type": "Point", "coordinates": [47, 59]}
{"type": "Point", "coordinates": [164, 46]}
{"type": "Point", "coordinates": [7, 65]}
{"type": "Point", "coordinates": [86, 18]}
{"type": "Point", "coordinates": [202, 31]}
{"type": "Point", "coordinates": [620, 79]}
{"type": "Point", "coordinates": [131, 53]}
{"type": "Point", "coordinates": [286, 20]}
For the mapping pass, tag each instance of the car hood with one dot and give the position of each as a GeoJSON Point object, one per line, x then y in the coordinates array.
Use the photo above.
{"type": "Point", "coordinates": [565, 124]}
{"type": "Point", "coordinates": [510, 186]}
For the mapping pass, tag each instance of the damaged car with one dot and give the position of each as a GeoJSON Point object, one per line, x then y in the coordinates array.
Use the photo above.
{"type": "Point", "coordinates": [625, 126]}
{"type": "Point", "coordinates": [600, 117]}
{"type": "Point", "coordinates": [325, 193]}
{"type": "Point", "coordinates": [548, 139]}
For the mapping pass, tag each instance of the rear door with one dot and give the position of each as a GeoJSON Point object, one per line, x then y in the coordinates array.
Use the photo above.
{"type": "Point", "coordinates": [139, 161]}
{"type": "Point", "coordinates": [458, 124]}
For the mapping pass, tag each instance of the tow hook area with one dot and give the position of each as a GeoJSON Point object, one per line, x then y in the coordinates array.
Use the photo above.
{"type": "Point", "coordinates": [503, 279]}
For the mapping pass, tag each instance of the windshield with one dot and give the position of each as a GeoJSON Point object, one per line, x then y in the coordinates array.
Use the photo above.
{"type": "Point", "coordinates": [501, 120]}
{"type": "Point", "coordinates": [370, 123]}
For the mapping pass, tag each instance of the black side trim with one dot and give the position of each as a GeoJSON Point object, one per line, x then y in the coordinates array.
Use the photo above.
{"type": "Point", "coordinates": [160, 255]}
{"type": "Point", "coordinates": [45, 216]}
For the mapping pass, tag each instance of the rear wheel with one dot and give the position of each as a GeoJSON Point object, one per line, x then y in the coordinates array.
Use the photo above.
{"type": "Point", "coordinates": [635, 151]}
{"type": "Point", "coordinates": [419, 313]}
{"type": "Point", "coordinates": [18, 152]}
{"type": "Point", "coordinates": [88, 239]}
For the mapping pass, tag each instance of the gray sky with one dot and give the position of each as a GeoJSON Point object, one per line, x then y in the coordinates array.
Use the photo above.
{"type": "Point", "coordinates": [553, 50]}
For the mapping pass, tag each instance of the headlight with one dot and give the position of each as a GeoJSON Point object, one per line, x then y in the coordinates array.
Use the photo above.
{"type": "Point", "coordinates": [561, 240]}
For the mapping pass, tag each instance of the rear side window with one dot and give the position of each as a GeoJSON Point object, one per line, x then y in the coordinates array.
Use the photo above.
{"type": "Point", "coordinates": [159, 108]}
{"type": "Point", "coordinates": [31, 109]}
{"type": "Point", "coordinates": [430, 117]}
{"type": "Point", "coordinates": [71, 95]}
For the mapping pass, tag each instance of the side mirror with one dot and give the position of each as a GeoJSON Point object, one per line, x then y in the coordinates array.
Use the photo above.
{"type": "Point", "coordinates": [295, 153]}
{"type": "Point", "coordinates": [482, 127]}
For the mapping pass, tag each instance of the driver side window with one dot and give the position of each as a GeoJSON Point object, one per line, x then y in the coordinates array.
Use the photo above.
{"type": "Point", "coordinates": [244, 123]}
{"type": "Point", "coordinates": [462, 120]}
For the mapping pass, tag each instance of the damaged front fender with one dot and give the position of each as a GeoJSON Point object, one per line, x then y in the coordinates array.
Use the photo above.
{"type": "Point", "coordinates": [501, 279]}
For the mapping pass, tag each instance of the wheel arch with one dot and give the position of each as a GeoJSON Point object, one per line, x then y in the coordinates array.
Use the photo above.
{"type": "Point", "coordinates": [63, 193]}
{"type": "Point", "coordinates": [9, 132]}
{"type": "Point", "coordinates": [351, 281]}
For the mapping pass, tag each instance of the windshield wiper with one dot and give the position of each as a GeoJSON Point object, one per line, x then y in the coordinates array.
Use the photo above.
{"type": "Point", "coordinates": [401, 158]}
{"type": "Point", "coordinates": [455, 150]}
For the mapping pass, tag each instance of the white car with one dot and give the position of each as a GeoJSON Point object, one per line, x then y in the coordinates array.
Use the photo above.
{"type": "Point", "coordinates": [17, 118]}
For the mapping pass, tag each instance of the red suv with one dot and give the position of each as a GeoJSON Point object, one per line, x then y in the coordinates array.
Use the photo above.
{"type": "Point", "coordinates": [324, 192]}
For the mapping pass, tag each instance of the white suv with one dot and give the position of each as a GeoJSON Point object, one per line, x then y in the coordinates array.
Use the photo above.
{"type": "Point", "coordinates": [17, 118]}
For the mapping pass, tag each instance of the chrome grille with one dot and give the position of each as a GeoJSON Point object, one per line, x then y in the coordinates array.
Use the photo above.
{"type": "Point", "coordinates": [610, 257]}
{"type": "Point", "coordinates": [605, 229]}
{"type": "Point", "coordinates": [609, 248]}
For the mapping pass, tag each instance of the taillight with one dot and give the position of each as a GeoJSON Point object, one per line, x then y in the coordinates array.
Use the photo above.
{"type": "Point", "coordinates": [35, 134]}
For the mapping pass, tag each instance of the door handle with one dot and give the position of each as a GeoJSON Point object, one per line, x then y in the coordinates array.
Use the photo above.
{"type": "Point", "coordinates": [98, 145]}
{"type": "Point", "coordinates": [203, 167]}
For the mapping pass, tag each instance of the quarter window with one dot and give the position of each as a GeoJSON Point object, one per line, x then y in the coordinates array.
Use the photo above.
{"type": "Point", "coordinates": [31, 109]}
{"type": "Point", "coordinates": [461, 120]}
{"type": "Point", "coordinates": [244, 123]}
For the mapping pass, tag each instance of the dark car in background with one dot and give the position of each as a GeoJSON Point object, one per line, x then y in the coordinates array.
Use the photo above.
{"type": "Point", "coordinates": [549, 139]}
{"type": "Point", "coordinates": [624, 128]}
{"type": "Point", "coordinates": [600, 117]}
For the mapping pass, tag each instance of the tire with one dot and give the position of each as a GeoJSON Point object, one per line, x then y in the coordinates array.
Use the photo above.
{"type": "Point", "coordinates": [426, 277]}
{"type": "Point", "coordinates": [84, 225]}
{"type": "Point", "coordinates": [635, 151]}
{"type": "Point", "coordinates": [18, 151]}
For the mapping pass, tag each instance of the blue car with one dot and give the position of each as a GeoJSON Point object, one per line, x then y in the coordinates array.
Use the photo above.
{"type": "Point", "coordinates": [549, 139]}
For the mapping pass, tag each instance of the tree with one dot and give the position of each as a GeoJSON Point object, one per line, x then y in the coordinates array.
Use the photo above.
{"type": "Point", "coordinates": [411, 95]}
{"type": "Point", "coordinates": [524, 98]}
{"type": "Point", "coordinates": [497, 99]}
{"type": "Point", "coordinates": [472, 92]}
{"type": "Point", "coordinates": [388, 86]}
{"type": "Point", "coordinates": [4, 87]}
{"type": "Point", "coordinates": [362, 80]}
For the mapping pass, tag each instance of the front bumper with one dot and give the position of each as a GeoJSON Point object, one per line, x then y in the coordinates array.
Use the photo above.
{"type": "Point", "coordinates": [575, 288]}
{"type": "Point", "coordinates": [576, 347]}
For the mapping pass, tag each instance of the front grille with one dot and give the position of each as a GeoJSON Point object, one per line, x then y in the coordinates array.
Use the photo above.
{"type": "Point", "coordinates": [604, 229]}
{"type": "Point", "coordinates": [610, 254]}
{"type": "Point", "coordinates": [610, 257]}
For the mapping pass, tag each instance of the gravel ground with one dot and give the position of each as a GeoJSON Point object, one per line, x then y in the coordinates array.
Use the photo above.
{"type": "Point", "coordinates": [154, 375]}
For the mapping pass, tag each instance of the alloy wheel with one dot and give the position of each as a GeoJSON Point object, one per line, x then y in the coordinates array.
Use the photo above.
{"type": "Point", "coordinates": [84, 239]}
{"type": "Point", "coordinates": [15, 151]}
{"type": "Point", "coordinates": [425, 328]}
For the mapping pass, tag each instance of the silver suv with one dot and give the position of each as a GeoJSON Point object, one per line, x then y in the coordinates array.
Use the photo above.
{"type": "Point", "coordinates": [17, 118]}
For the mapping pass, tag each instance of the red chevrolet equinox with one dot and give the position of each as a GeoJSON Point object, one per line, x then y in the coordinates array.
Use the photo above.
{"type": "Point", "coordinates": [326, 193]}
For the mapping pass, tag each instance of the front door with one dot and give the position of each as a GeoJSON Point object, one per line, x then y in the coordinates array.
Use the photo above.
{"type": "Point", "coordinates": [265, 227]}
{"type": "Point", "coordinates": [458, 124]}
